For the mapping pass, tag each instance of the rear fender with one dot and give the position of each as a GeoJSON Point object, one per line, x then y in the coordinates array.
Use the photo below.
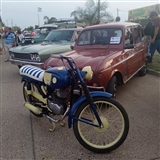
{"type": "Point", "coordinates": [81, 100]}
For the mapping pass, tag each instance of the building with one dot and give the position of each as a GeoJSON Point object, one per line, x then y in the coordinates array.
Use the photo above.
{"type": "Point", "coordinates": [140, 15]}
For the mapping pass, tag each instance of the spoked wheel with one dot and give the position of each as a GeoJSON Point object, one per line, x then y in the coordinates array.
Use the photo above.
{"type": "Point", "coordinates": [114, 129]}
{"type": "Point", "coordinates": [31, 99]}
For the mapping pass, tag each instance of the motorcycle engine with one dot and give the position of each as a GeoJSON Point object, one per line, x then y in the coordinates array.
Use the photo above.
{"type": "Point", "coordinates": [57, 103]}
{"type": "Point", "coordinates": [56, 107]}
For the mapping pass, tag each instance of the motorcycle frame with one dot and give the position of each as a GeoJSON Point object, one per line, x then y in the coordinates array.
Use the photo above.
{"type": "Point", "coordinates": [88, 96]}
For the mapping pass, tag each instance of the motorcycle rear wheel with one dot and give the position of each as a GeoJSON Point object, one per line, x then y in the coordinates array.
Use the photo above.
{"type": "Point", "coordinates": [115, 125]}
{"type": "Point", "coordinates": [26, 98]}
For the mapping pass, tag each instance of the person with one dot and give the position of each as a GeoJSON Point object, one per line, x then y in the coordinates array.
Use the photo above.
{"type": "Point", "coordinates": [155, 41]}
{"type": "Point", "coordinates": [20, 36]}
{"type": "Point", "coordinates": [10, 41]}
{"type": "Point", "coordinates": [149, 32]}
{"type": "Point", "coordinates": [33, 33]}
{"type": "Point", "coordinates": [118, 19]}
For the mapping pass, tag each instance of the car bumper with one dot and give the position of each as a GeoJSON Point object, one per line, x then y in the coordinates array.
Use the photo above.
{"type": "Point", "coordinates": [22, 63]}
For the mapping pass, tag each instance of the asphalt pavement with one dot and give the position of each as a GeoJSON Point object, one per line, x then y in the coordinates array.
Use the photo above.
{"type": "Point", "coordinates": [25, 137]}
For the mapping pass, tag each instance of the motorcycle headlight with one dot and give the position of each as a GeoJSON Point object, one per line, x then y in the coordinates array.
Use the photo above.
{"type": "Point", "coordinates": [35, 57]}
{"type": "Point", "coordinates": [89, 71]}
{"type": "Point", "coordinates": [32, 41]}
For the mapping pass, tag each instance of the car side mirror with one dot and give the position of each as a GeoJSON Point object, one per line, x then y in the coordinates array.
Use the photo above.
{"type": "Point", "coordinates": [128, 46]}
{"type": "Point", "coordinates": [72, 46]}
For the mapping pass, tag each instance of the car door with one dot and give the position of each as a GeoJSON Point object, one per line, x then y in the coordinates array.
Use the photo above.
{"type": "Point", "coordinates": [132, 53]}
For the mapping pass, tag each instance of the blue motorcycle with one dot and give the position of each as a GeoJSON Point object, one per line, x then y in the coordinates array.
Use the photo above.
{"type": "Point", "coordinates": [99, 122]}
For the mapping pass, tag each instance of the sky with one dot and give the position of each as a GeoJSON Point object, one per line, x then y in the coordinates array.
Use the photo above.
{"type": "Point", "coordinates": [24, 13]}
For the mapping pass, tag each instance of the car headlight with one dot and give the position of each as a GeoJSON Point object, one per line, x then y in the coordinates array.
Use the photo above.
{"type": "Point", "coordinates": [23, 40]}
{"type": "Point", "coordinates": [32, 41]}
{"type": "Point", "coordinates": [35, 57]}
{"type": "Point", "coordinates": [11, 54]}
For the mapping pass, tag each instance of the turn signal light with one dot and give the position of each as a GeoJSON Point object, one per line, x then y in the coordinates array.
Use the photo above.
{"type": "Point", "coordinates": [95, 84]}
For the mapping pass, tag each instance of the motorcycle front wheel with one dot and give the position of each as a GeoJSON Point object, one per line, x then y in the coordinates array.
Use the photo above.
{"type": "Point", "coordinates": [112, 133]}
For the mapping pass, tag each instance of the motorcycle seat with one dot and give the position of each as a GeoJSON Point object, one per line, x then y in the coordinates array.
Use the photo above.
{"type": "Point", "coordinates": [32, 72]}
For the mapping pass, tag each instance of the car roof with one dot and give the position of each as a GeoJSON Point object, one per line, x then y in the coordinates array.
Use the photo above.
{"type": "Point", "coordinates": [48, 26]}
{"type": "Point", "coordinates": [113, 25]}
{"type": "Point", "coordinates": [71, 29]}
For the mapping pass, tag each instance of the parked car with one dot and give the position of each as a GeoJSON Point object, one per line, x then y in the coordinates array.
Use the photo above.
{"type": "Point", "coordinates": [41, 34]}
{"type": "Point", "coordinates": [57, 41]}
{"type": "Point", "coordinates": [115, 51]}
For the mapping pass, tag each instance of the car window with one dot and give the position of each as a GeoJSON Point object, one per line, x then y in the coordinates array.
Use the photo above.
{"type": "Point", "coordinates": [136, 35]}
{"type": "Point", "coordinates": [128, 36]}
{"type": "Point", "coordinates": [60, 35]}
{"type": "Point", "coordinates": [100, 36]}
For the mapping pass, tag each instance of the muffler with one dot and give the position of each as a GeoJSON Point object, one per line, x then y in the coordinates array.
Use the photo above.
{"type": "Point", "coordinates": [34, 109]}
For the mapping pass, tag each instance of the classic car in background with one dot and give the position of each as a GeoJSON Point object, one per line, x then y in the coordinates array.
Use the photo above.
{"type": "Point", "coordinates": [57, 41]}
{"type": "Point", "coordinates": [41, 34]}
{"type": "Point", "coordinates": [115, 51]}
{"type": "Point", "coordinates": [44, 30]}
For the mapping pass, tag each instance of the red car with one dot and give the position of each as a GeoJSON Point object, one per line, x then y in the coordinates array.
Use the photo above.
{"type": "Point", "coordinates": [115, 51]}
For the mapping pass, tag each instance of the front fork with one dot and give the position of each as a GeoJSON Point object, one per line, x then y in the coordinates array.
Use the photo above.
{"type": "Point", "coordinates": [92, 105]}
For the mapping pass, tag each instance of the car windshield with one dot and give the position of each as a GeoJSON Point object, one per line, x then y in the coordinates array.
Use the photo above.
{"type": "Point", "coordinates": [60, 36]}
{"type": "Point", "coordinates": [100, 36]}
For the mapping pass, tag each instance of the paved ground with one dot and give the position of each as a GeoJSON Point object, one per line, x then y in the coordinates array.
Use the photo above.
{"type": "Point", "coordinates": [25, 137]}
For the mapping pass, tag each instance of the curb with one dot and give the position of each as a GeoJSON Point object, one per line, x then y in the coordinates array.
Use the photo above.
{"type": "Point", "coordinates": [150, 71]}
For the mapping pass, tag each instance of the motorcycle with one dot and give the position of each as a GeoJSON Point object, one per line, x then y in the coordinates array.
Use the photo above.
{"type": "Point", "coordinates": [100, 123]}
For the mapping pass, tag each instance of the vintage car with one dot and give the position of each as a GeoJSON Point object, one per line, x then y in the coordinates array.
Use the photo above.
{"type": "Point", "coordinates": [115, 52]}
{"type": "Point", "coordinates": [57, 41]}
{"type": "Point", "coordinates": [41, 34]}
{"type": "Point", "coordinates": [44, 30]}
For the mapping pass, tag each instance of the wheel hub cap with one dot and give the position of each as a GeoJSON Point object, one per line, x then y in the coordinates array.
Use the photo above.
{"type": "Point", "coordinates": [105, 124]}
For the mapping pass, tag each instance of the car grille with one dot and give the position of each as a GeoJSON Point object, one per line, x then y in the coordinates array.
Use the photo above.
{"type": "Point", "coordinates": [21, 56]}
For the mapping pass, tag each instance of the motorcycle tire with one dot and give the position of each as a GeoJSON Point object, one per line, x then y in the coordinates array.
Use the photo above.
{"type": "Point", "coordinates": [114, 129]}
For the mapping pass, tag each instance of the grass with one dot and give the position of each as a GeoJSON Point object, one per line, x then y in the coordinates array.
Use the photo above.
{"type": "Point", "coordinates": [155, 65]}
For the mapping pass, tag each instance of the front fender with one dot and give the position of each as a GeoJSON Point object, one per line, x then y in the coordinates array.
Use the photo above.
{"type": "Point", "coordinates": [81, 100]}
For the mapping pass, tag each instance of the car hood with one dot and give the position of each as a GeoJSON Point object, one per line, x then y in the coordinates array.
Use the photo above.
{"type": "Point", "coordinates": [89, 57]}
{"type": "Point", "coordinates": [40, 48]}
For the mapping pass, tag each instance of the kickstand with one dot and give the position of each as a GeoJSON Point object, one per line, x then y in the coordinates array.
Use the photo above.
{"type": "Point", "coordinates": [53, 126]}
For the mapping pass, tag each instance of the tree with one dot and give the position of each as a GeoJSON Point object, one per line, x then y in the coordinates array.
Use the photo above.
{"type": "Point", "coordinates": [16, 28]}
{"type": "Point", "coordinates": [30, 28]}
{"type": "Point", "coordinates": [1, 23]}
{"type": "Point", "coordinates": [48, 20]}
{"type": "Point", "coordinates": [89, 14]}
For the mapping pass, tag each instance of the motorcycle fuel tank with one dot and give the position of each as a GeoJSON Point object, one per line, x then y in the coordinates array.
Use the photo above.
{"type": "Point", "coordinates": [57, 77]}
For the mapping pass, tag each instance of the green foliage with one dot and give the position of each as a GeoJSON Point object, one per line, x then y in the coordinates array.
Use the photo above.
{"type": "Point", "coordinates": [48, 20]}
{"type": "Point", "coordinates": [89, 13]}
{"type": "Point", "coordinates": [155, 65]}
{"type": "Point", "coordinates": [16, 28]}
{"type": "Point", "coordinates": [30, 28]}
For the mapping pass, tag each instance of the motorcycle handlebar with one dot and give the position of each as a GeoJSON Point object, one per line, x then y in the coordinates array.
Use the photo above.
{"type": "Point", "coordinates": [59, 57]}
{"type": "Point", "coordinates": [69, 60]}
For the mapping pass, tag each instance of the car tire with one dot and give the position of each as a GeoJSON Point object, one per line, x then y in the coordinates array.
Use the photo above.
{"type": "Point", "coordinates": [112, 86]}
{"type": "Point", "coordinates": [19, 66]}
{"type": "Point", "coordinates": [143, 70]}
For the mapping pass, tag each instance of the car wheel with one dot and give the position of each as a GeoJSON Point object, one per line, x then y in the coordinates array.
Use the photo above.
{"type": "Point", "coordinates": [143, 70]}
{"type": "Point", "coordinates": [112, 86]}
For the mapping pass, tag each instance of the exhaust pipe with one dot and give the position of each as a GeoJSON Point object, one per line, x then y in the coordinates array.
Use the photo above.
{"type": "Point", "coordinates": [34, 109]}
